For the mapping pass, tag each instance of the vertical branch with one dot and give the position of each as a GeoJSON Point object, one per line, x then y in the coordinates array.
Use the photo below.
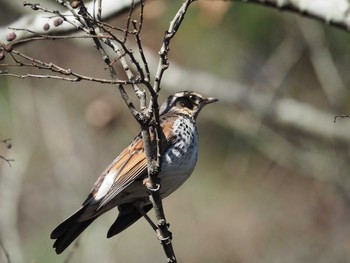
{"type": "Point", "coordinates": [154, 160]}
{"type": "Point", "coordinates": [138, 29]}
{"type": "Point", "coordinates": [126, 32]}
{"type": "Point", "coordinates": [153, 185]}
{"type": "Point", "coordinates": [169, 34]}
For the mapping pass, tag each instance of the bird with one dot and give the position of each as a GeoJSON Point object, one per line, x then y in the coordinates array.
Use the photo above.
{"type": "Point", "coordinates": [122, 184]}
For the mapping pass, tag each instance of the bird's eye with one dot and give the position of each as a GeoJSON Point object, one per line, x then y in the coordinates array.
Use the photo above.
{"type": "Point", "coordinates": [184, 103]}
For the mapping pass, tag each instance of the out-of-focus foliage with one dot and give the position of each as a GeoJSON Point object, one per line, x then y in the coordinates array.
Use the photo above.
{"type": "Point", "coordinates": [261, 192]}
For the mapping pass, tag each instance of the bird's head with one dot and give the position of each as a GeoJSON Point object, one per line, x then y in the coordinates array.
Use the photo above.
{"type": "Point", "coordinates": [185, 102]}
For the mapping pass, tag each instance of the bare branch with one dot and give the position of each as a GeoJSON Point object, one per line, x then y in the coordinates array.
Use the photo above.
{"type": "Point", "coordinates": [169, 34]}
{"type": "Point", "coordinates": [127, 28]}
{"type": "Point", "coordinates": [154, 166]}
{"type": "Point", "coordinates": [334, 13]}
{"type": "Point", "coordinates": [7, 160]}
{"type": "Point", "coordinates": [77, 79]}
{"type": "Point", "coordinates": [49, 37]}
{"type": "Point", "coordinates": [137, 29]}
{"type": "Point", "coordinates": [340, 116]}
{"type": "Point", "coordinates": [35, 63]}
{"type": "Point", "coordinates": [104, 25]}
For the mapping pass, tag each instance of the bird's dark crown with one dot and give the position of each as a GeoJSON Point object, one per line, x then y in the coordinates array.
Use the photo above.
{"type": "Point", "coordinates": [185, 102]}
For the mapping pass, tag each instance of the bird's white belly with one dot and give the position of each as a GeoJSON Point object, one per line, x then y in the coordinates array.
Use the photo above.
{"type": "Point", "coordinates": [179, 160]}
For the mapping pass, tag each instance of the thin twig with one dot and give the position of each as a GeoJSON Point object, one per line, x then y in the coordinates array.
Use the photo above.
{"type": "Point", "coordinates": [342, 116]}
{"type": "Point", "coordinates": [7, 160]}
{"type": "Point", "coordinates": [131, 10]}
{"type": "Point", "coordinates": [139, 43]}
{"type": "Point", "coordinates": [38, 36]}
{"type": "Point", "coordinates": [164, 50]}
{"type": "Point", "coordinates": [104, 25]}
{"type": "Point", "coordinates": [35, 63]}
{"type": "Point", "coordinates": [76, 79]}
{"type": "Point", "coordinates": [37, 7]}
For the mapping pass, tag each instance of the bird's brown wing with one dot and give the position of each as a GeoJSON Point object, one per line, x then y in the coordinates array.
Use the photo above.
{"type": "Point", "coordinates": [126, 168]}
{"type": "Point", "coordinates": [130, 165]}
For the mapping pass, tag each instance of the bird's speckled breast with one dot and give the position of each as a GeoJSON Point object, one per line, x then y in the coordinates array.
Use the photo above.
{"type": "Point", "coordinates": [180, 159]}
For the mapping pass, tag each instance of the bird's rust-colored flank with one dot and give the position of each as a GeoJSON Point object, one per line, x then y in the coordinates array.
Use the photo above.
{"type": "Point", "coordinates": [121, 184]}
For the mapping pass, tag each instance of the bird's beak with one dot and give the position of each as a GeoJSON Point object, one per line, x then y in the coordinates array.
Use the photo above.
{"type": "Point", "coordinates": [210, 100]}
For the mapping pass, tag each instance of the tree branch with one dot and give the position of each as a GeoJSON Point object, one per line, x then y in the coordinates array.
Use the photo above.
{"type": "Point", "coordinates": [154, 166]}
{"type": "Point", "coordinates": [22, 60]}
{"type": "Point", "coordinates": [334, 12]}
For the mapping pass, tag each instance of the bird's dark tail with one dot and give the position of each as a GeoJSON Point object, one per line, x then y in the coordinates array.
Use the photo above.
{"type": "Point", "coordinates": [69, 230]}
{"type": "Point", "coordinates": [128, 215]}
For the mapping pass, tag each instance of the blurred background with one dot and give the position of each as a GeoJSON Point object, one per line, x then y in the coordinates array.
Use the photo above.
{"type": "Point", "coordinates": [272, 179]}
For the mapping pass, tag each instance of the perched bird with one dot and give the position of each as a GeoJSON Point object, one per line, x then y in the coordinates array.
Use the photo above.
{"type": "Point", "coordinates": [122, 183]}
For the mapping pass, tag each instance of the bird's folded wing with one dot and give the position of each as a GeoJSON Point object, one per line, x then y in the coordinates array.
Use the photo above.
{"type": "Point", "coordinates": [125, 169]}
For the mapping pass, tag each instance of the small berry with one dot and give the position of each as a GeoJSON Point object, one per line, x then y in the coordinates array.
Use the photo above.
{"type": "Point", "coordinates": [8, 48]}
{"type": "Point", "coordinates": [58, 22]}
{"type": "Point", "coordinates": [11, 36]}
{"type": "Point", "coordinates": [46, 27]}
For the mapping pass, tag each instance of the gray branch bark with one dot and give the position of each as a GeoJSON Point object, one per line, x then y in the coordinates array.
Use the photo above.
{"type": "Point", "coordinates": [332, 12]}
